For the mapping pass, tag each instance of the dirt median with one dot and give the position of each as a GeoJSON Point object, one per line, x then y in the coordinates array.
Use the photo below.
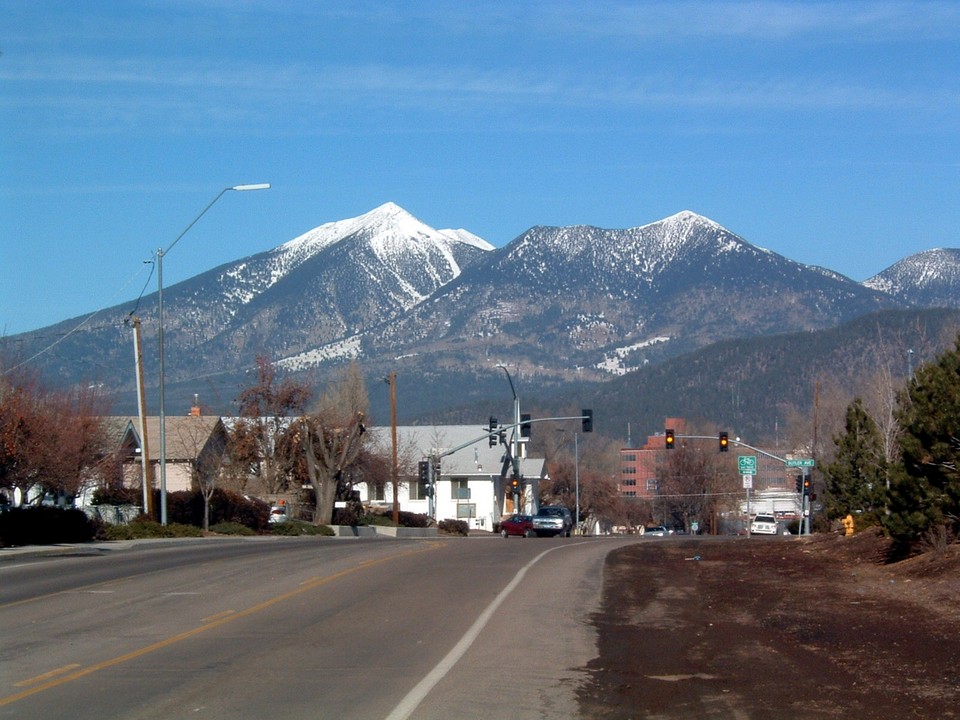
{"type": "Point", "coordinates": [758, 627]}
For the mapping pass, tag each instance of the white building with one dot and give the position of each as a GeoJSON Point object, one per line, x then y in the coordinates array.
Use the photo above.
{"type": "Point", "coordinates": [469, 486]}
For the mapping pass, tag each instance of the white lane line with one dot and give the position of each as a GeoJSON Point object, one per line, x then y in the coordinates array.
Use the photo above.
{"type": "Point", "coordinates": [413, 699]}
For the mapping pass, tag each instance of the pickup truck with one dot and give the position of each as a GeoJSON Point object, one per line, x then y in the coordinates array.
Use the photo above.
{"type": "Point", "coordinates": [552, 520]}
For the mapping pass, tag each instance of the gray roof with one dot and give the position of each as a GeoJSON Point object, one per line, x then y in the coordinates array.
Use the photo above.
{"type": "Point", "coordinates": [478, 458]}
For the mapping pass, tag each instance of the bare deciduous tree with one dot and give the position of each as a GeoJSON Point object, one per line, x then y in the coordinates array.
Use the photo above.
{"type": "Point", "coordinates": [265, 410]}
{"type": "Point", "coordinates": [332, 439]}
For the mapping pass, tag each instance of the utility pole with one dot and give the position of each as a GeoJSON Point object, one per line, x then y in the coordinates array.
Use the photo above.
{"type": "Point", "coordinates": [395, 470]}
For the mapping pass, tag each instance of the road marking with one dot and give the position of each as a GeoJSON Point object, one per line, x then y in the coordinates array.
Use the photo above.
{"type": "Point", "coordinates": [81, 672]}
{"type": "Point", "coordinates": [218, 616]}
{"type": "Point", "coordinates": [405, 707]}
{"type": "Point", "coordinates": [47, 675]}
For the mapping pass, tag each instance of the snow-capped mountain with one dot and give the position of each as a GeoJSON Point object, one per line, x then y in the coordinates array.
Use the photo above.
{"type": "Point", "coordinates": [926, 279]}
{"type": "Point", "coordinates": [329, 283]}
{"type": "Point", "coordinates": [325, 285]}
{"type": "Point", "coordinates": [583, 302]}
{"type": "Point", "coordinates": [443, 306]}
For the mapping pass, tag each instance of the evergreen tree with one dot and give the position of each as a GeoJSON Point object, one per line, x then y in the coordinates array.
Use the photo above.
{"type": "Point", "coordinates": [857, 477]}
{"type": "Point", "coordinates": [925, 493]}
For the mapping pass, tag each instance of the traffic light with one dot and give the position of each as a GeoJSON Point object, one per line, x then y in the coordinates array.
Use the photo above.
{"type": "Point", "coordinates": [515, 486]}
{"type": "Point", "coordinates": [423, 471]}
{"type": "Point", "coordinates": [724, 442]}
{"type": "Point", "coordinates": [669, 439]}
{"type": "Point", "coordinates": [807, 486]}
{"type": "Point", "coordinates": [587, 418]}
{"type": "Point", "coordinates": [799, 483]}
{"type": "Point", "coordinates": [525, 425]}
{"type": "Point", "coordinates": [492, 429]}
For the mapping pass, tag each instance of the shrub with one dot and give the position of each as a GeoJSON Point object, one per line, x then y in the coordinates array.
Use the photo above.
{"type": "Point", "coordinates": [186, 506]}
{"type": "Point", "coordinates": [231, 528]}
{"type": "Point", "coordinates": [414, 520]}
{"type": "Point", "coordinates": [378, 520]}
{"type": "Point", "coordinates": [454, 527]}
{"type": "Point", "coordinates": [141, 529]}
{"type": "Point", "coordinates": [114, 495]}
{"type": "Point", "coordinates": [45, 526]}
{"type": "Point", "coordinates": [298, 527]}
{"type": "Point", "coordinates": [348, 516]}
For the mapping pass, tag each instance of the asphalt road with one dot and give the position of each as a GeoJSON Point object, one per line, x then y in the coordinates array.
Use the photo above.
{"type": "Point", "coordinates": [302, 628]}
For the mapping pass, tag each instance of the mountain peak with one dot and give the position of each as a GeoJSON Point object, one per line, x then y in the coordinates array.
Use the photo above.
{"type": "Point", "coordinates": [688, 218]}
{"type": "Point", "coordinates": [929, 278]}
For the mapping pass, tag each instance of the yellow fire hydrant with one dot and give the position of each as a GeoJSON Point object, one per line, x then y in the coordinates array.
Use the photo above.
{"type": "Point", "coordinates": [848, 525]}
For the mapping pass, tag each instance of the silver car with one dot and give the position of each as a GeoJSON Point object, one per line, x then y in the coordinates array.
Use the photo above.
{"type": "Point", "coordinates": [553, 520]}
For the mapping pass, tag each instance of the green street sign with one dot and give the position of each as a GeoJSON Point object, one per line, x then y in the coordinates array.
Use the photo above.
{"type": "Point", "coordinates": [802, 462]}
{"type": "Point", "coordinates": [747, 464]}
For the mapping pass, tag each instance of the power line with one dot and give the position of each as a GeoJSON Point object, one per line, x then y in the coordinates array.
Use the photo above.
{"type": "Point", "coordinates": [82, 323]}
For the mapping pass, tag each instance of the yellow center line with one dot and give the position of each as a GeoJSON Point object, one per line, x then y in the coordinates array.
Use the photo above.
{"type": "Point", "coordinates": [48, 675]}
{"type": "Point", "coordinates": [217, 616]}
{"type": "Point", "coordinates": [215, 622]}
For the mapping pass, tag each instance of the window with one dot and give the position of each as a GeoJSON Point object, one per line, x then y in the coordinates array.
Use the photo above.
{"type": "Point", "coordinates": [376, 493]}
{"type": "Point", "coordinates": [418, 490]}
{"type": "Point", "coordinates": [459, 489]}
{"type": "Point", "coordinates": [630, 482]}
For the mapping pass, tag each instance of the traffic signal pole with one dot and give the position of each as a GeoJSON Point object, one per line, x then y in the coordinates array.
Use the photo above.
{"type": "Point", "coordinates": [493, 434]}
{"type": "Point", "coordinates": [806, 506]}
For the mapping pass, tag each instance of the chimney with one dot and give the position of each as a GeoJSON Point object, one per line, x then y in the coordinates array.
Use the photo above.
{"type": "Point", "coordinates": [195, 410]}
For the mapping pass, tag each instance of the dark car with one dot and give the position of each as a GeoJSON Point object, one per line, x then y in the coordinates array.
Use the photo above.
{"type": "Point", "coordinates": [521, 525]}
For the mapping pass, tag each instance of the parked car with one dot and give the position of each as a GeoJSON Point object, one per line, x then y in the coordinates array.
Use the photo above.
{"type": "Point", "coordinates": [553, 520]}
{"type": "Point", "coordinates": [763, 525]}
{"type": "Point", "coordinates": [657, 531]}
{"type": "Point", "coordinates": [516, 524]}
{"type": "Point", "coordinates": [278, 514]}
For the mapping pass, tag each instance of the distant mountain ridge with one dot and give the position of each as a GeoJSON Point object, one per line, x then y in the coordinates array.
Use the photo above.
{"type": "Point", "coordinates": [583, 301]}
{"type": "Point", "coordinates": [927, 279]}
{"type": "Point", "coordinates": [557, 304]}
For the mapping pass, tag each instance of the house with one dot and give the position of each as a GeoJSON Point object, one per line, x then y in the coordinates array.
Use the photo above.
{"type": "Point", "coordinates": [195, 444]}
{"type": "Point", "coordinates": [469, 486]}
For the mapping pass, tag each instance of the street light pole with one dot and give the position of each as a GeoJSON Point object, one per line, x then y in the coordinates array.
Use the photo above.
{"type": "Point", "coordinates": [576, 475]}
{"type": "Point", "coordinates": [163, 419]}
{"type": "Point", "coordinates": [394, 468]}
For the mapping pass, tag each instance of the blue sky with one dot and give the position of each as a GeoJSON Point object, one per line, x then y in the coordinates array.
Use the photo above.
{"type": "Point", "coordinates": [825, 131]}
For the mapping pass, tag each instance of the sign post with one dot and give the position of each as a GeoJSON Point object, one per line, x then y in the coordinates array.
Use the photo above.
{"type": "Point", "coordinates": [747, 465]}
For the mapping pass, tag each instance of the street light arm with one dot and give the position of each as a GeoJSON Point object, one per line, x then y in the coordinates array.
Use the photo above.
{"type": "Point", "coordinates": [238, 188]}
{"type": "Point", "coordinates": [509, 379]}
{"type": "Point", "coordinates": [163, 423]}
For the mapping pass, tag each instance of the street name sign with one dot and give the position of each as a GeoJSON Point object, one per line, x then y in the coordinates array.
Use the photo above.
{"type": "Point", "coordinates": [802, 462]}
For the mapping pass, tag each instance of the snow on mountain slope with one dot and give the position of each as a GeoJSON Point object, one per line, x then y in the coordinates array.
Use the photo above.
{"type": "Point", "coordinates": [389, 232]}
{"type": "Point", "coordinates": [929, 279]}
